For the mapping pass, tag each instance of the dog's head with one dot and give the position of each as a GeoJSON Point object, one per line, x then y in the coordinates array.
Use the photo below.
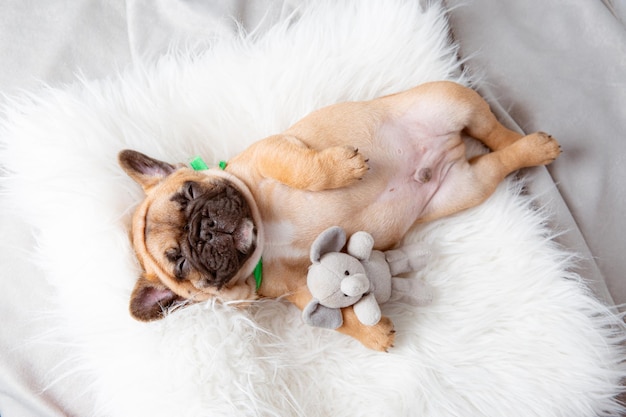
{"type": "Point", "coordinates": [196, 235]}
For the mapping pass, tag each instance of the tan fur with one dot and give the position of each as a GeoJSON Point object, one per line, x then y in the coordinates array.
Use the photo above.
{"type": "Point", "coordinates": [379, 165]}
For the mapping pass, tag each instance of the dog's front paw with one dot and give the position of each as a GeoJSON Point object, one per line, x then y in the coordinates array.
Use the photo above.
{"type": "Point", "coordinates": [343, 165]}
{"type": "Point", "coordinates": [377, 337]}
{"type": "Point", "coordinates": [380, 336]}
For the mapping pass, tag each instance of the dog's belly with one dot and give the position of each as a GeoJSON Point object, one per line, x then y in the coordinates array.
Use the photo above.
{"type": "Point", "coordinates": [406, 171]}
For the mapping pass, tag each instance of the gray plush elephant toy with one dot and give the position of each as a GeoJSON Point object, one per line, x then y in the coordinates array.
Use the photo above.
{"type": "Point", "coordinates": [360, 277]}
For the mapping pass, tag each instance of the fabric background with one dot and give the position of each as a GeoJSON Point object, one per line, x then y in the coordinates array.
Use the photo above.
{"type": "Point", "coordinates": [559, 66]}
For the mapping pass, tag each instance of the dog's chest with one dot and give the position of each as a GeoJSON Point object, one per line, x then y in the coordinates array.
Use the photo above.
{"type": "Point", "coordinates": [281, 240]}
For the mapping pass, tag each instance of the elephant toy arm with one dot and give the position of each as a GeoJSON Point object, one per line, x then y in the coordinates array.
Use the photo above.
{"type": "Point", "coordinates": [367, 310]}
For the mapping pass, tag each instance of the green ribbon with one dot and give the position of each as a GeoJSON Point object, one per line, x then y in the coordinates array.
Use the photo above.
{"type": "Point", "coordinates": [198, 164]}
{"type": "Point", "coordinates": [258, 273]}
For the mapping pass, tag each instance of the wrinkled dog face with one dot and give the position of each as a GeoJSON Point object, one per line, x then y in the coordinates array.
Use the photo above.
{"type": "Point", "coordinates": [192, 234]}
{"type": "Point", "coordinates": [213, 235]}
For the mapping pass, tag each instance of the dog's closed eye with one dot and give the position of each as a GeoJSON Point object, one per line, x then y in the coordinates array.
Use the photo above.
{"type": "Point", "coordinates": [175, 256]}
{"type": "Point", "coordinates": [190, 191]}
{"type": "Point", "coordinates": [181, 268]}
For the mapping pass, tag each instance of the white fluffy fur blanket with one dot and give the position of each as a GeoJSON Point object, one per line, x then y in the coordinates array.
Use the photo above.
{"type": "Point", "coordinates": [510, 332]}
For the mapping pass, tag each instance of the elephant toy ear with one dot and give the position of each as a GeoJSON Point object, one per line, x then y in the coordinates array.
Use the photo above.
{"type": "Point", "coordinates": [317, 315]}
{"type": "Point", "coordinates": [330, 240]}
{"type": "Point", "coordinates": [360, 245]}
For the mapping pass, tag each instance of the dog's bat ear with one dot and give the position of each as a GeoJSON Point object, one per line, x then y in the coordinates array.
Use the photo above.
{"type": "Point", "coordinates": [146, 171]}
{"type": "Point", "coordinates": [150, 301]}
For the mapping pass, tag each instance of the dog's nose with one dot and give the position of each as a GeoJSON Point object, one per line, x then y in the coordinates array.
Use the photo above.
{"type": "Point", "coordinates": [207, 228]}
{"type": "Point", "coordinates": [221, 223]}
{"type": "Point", "coordinates": [208, 223]}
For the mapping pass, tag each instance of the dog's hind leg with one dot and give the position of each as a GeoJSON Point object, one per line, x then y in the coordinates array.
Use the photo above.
{"type": "Point", "coordinates": [469, 183]}
{"type": "Point", "coordinates": [447, 106]}
{"type": "Point", "coordinates": [480, 123]}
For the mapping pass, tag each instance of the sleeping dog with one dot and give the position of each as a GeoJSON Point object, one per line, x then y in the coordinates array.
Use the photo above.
{"type": "Point", "coordinates": [380, 166]}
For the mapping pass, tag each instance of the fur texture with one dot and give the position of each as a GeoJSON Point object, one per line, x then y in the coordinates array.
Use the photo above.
{"type": "Point", "coordinates": [510, 331]}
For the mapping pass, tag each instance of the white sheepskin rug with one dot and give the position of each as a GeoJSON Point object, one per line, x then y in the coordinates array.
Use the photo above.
{"type": "Point", "coordinates": [511, 332]}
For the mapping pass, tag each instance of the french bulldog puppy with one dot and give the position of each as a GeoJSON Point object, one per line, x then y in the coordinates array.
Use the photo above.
{"type": "Point", "coordinates": [380, 166]}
